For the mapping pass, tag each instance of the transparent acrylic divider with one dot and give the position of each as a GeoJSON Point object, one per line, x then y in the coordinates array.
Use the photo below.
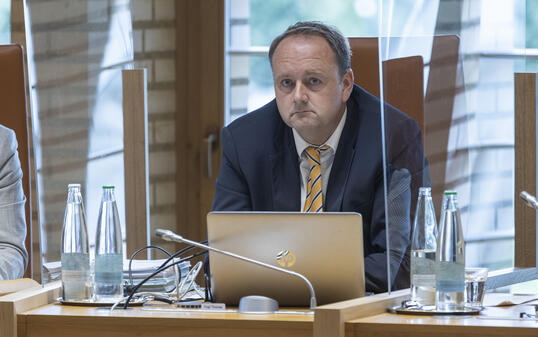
{"type": "Point", "coordinates": [447, 88]}
{"type": "Point", "coordinates": [75, 80]}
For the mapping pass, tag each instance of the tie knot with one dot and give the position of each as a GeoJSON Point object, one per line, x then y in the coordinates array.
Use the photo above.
{"type": "Point", "coordinates": [314, 152]}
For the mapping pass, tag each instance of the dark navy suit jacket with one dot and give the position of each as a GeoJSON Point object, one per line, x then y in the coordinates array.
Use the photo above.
{"type": "Point", "coordinates": [260, 172]}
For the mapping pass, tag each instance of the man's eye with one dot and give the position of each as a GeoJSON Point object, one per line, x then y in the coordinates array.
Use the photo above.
{"type": "Point", "coordinates": [286, 83]}
{"type": "Point", "coordinates": [315, 81]}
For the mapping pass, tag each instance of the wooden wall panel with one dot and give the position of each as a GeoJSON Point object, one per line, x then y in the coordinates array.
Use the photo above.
{"type": "Point", "coordinates": [135, 158]}
{"type": "Point", "coordinates": [200, 105]}
{"type": "Point", "coordinates": [525, 168]}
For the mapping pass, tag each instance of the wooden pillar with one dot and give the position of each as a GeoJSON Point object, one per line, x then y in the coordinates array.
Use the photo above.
{"type": "Point", "coordinates": [525, 168]}
{"type": "Point", "coordinates": [200, 110]}
{"type": "Point", "coordinates": [330, 319]}
{"type": "Point", "coordinates": [135, 159]}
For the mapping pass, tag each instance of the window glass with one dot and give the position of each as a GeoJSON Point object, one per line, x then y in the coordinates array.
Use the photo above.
{"type": "Point", "coordinates": [253, 24]}
{"type": "Point", "coordinates": [5, 27]}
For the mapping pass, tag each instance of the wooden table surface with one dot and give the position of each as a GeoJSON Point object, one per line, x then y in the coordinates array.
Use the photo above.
{"type": "Point", "coordinates": [38, 315]}
{"type": "Point", "coordinates": [502, 322]}
{"type": "Point", "coordinates": [58, 321]}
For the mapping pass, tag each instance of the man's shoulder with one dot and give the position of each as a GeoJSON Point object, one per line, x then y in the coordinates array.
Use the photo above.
{"type": "Point", "coordinates": [7, 140]}
{"type": "Point", "coordinates": [6, 134]}
{"type": "Point", "coordinates": [369, 107]}
{"type": "Point", "coordinates": [259, 120]}
{"type": "Point", "coordinates": [258, 131]}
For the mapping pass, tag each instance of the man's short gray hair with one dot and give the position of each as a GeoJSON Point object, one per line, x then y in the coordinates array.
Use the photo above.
{"type": "Point", "coordinates": [336, 40]}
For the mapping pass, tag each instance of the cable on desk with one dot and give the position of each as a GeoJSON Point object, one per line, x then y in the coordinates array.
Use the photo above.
{"type": "Point", "coordinates": [160, 269]}
{"type": "Point", "coordinates": [207, 280]}
{"type": "Point", "coordinates": [176, 254]}
{"type": "Point", "coordinates": [136, 253]}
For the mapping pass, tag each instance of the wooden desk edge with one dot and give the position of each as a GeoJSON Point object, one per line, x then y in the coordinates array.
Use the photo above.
{"type": "Point", "coordinates": [329, 320]}
{"type": "Point", "coordinates": [12, 286]}
{"type": "Point", "coordinates": [23, 300]}
{"type": "Point", "coordinates": [390, 325]}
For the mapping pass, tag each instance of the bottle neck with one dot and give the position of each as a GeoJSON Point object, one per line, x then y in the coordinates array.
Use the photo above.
{"type": "Point", "coordinates": [450, 202]}
{"type": "Point", "coordinates": [108, 194]}
{"type": "Point", "coordinates": [425, 192]}
{"type": "Point", "coordinates": [74, 196]}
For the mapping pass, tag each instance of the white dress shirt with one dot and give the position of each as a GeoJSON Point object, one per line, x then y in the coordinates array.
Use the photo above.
{"type": "Point", "coordinates": [326, 157]}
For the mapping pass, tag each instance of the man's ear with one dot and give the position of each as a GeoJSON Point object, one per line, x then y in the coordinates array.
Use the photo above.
{"type": "Point", "coordinates": [347, 84]}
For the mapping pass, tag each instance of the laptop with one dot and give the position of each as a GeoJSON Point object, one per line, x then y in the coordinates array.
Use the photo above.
{"type": "Point", "coordinates": [326, 248]}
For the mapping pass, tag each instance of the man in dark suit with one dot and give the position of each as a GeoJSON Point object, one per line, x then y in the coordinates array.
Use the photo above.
{"type": "Point", "coordinates": [318, 147]}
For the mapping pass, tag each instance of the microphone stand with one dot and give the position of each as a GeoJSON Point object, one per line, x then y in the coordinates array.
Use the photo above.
{"type": "Point", "coordinates": [529, 199]}
{"type": "Point", "coordinates": [171, 236]}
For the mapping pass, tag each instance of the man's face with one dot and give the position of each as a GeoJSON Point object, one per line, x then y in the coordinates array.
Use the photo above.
{"type": "Point", "coordinates": [310, 92]}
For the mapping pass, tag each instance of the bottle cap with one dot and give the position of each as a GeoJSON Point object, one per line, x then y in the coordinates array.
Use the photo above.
{"type": "Point", "coordinates": [108, 187]}
{"type": "Point", "coordinates": [73, 186]}
{"type": "Point", "coordinates": [450, 193]}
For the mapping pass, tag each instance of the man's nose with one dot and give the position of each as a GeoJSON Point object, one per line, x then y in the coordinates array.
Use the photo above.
{"type": "Point", "coordinates": [300, 94]}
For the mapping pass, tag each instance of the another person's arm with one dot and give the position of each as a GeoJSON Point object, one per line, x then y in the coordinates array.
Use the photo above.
{"type": "Point", "coordinates": [408, 171]}
{"type": "Point", "coordinates": [399, 202]}
{"type": "Point", "coordinates": [13, 255]}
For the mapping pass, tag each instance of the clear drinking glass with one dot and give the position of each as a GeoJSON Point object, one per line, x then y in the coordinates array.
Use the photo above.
{"type": "Point", "coordinates": [76, 276]}
{"type": "Point", "coordinates": [108, 250]}
{"type": "Point", "coordinates": [475, 286]}
{"type": "Point", "coordinates": [450, 257]}
{"type": "Point", "coordinates": [423, 246]}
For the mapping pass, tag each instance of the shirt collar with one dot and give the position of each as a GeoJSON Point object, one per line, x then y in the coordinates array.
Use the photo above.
{"type": "Point", "coordinates": [332, 142]}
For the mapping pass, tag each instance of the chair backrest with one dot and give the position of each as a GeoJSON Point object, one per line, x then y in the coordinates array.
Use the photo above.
{"type": "Point", "coordinates": [403, 83]}
{"type": "Point", "coordinates": [14, 115]}
{"type": "Point", "coordinates": [403, 79]}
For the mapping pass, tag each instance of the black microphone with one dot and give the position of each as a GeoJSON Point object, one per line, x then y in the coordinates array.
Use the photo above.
{"type": "Point", "coordinates": [171, 236]}
{"type": "Point", "coordinates": [529, 199]}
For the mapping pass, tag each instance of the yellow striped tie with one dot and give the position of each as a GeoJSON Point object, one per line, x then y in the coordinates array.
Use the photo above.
{"type": "Point", "coordinates": [314, 196]}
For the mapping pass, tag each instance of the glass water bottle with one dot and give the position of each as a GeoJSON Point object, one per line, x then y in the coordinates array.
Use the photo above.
{"type": "Point", "coordinates": [75, 256]}
{"type": "Point", "coordinates": [423, 247]}
{"type": "Point", "coordinates": [450, 257]}
{"type": "Point", "coordinates": [108, 250]}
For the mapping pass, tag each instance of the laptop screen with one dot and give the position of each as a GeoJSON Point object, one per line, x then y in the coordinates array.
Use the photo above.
{"type": "Point", "coordinates": [326, 248]}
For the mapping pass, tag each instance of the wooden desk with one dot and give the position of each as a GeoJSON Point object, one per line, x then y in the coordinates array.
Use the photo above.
{"type": "Point", "coordinates": [392, 325]}
{"type": "Point", "coordinates": [57, 321]}
{"type": "Point", "coordinates": [33, 312]}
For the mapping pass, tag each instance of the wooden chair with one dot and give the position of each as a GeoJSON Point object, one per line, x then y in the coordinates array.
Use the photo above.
{"type": "Point", "coordinates": [403, 79]}
{"type": "Point", "coordinates": [15, 116]}
{"type": "Point", "coordinates": [403, 88]}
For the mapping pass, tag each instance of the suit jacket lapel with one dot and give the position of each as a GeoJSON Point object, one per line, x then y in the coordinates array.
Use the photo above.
{"type": "Point", "coordinates": [342, 161]}
{"type": "Point", "coordinates": [286, 174]}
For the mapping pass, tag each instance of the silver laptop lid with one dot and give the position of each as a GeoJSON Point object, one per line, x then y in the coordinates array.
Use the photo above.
{"type": "Point", "coordinates": [327, 248]}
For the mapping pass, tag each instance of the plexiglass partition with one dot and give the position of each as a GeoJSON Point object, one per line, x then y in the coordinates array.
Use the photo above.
{"type": "Point", "coordinates": [448, 86]}
{"type": "Point", "coordinates": [76, 51]}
